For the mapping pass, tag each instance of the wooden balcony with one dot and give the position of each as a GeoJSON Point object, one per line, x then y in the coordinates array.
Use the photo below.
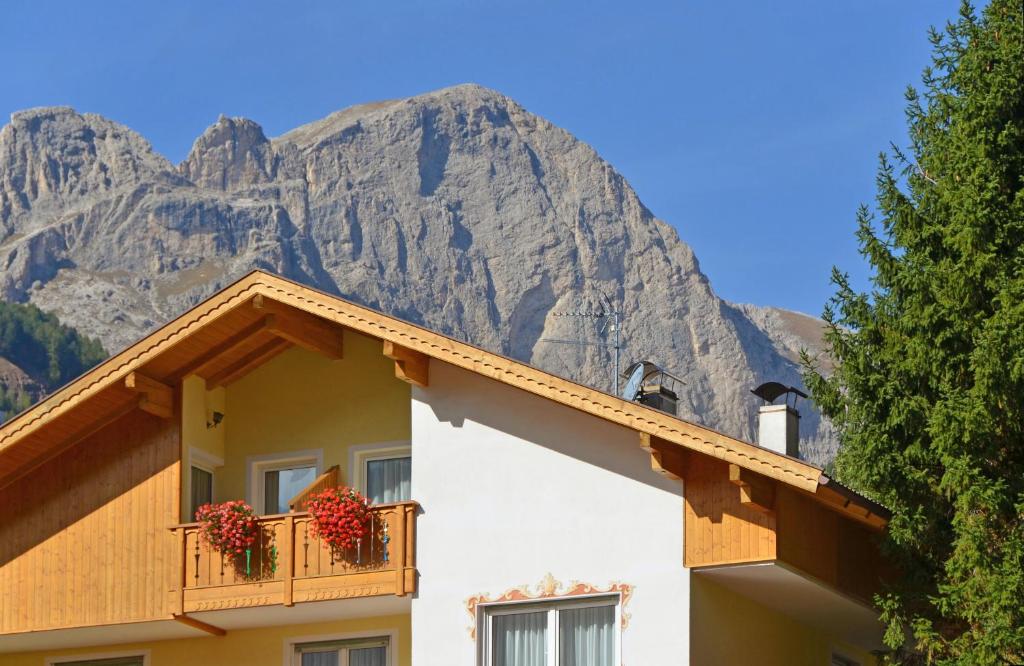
{"type": "Point", "coordinates": [288, 565]}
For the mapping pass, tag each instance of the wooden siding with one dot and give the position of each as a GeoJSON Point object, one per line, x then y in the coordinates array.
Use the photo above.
{"type": "Point", "coordinates": [827, 546]}
{"type": "Point", "coordinates": [799, 531]}
{"type": "Point", "coordinates": [719, 529]}
{"type": "Point", "coordinates": [84, 539]}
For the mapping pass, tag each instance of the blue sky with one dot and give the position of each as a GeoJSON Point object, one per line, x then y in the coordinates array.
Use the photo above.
{"type": "Point", "coordinates": [752, 127]}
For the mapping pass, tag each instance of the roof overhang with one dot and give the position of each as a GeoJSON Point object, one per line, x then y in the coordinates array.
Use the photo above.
{"type": "Point", "coordinates": [801, 597]}
{"type": "Point", "coordinates": [150, 355]}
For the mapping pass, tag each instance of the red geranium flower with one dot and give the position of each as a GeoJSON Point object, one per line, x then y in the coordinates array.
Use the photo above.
{"type": "Point", "coordinates": [229, 527]}
{"type": "Point", "coordinates": [340, 517]}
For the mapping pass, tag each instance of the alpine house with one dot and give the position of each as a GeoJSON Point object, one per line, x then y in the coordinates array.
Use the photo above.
{"type": "Point", "coordinates": [511, 517]}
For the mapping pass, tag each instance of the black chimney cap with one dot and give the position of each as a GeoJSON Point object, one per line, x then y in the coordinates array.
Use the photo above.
{"type": "Point", "coordinates": [770, 391]}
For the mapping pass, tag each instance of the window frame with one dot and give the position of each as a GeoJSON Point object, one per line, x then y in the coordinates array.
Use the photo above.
{"type": "Point", "coordinates": [552, 606]}
{"type": "Point", "coordinates": [207, 462]}
{"type": "Point", "coordinates": [292, 644]}
{"type": "Point", "coordinates": [360, 456]}
{"type": "Point", "coordinates": [213, 481]}
{"type": "Point", "coordinates": [99, 656]}
{"type": "Point", "coordinates": [257, 466]}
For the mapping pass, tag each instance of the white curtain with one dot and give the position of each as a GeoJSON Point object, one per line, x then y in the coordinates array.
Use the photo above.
{"type": "Point", "coordinates": [320, 658]}
{"type": "Point", "coordinates": [375, 656]}
{"type": "Point", "coordinates": [388, 480]}
{"type": "Point", "coordinates": [519, 639]}
{"type": "Point", "coordinates": [586, 636]}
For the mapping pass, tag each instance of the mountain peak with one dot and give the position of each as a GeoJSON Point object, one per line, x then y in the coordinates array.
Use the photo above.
{"type": "Point", "coordinates": [231, 153]}
{"type": "Point", "coordinates": [456, 209]}
{"type": "Point", "coordinates": [55, 155]}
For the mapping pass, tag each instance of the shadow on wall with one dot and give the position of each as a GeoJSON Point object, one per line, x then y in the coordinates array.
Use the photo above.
{"type": "Point", "coordinates": [85, 478]}
{"type": "Point", "coordinates": [457, 395]}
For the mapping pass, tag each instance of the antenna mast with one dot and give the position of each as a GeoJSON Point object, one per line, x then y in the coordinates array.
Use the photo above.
{"type": "Point", "coordinates": [613, 325]}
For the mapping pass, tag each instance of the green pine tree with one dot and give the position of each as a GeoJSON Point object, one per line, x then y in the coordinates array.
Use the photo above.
{"type": "Point", "coordinates": [48, 351]}
{"type": "Point", "coordinates": [928, 394]}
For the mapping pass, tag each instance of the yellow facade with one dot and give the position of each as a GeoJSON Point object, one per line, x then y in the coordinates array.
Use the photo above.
{"type": "Point", "coordinates": [726, 628]}
{"type": "Point", "coordinates": [299, 401]}
{"type": "Point", "coordinates": [264, 646]}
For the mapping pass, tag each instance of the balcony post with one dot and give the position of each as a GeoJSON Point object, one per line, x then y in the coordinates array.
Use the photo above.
{"type": "Point", "coordinates": [179, 584]}
{"type": "Point", "coordinates": [410, 535]}
{"type": "Point", "coordinates": [398, 518]}
{"type": "Point", "coordinates": [289, 559]}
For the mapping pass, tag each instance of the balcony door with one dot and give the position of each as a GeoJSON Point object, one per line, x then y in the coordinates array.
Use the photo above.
{"type": "Point", "coordinates": [275, 480]}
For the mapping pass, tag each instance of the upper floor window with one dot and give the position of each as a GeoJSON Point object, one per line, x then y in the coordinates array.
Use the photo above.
{"type": "Point", "coordinates": [276, 479]}
{"type": "Point", "coordinates": [357, 652]}
{"type": "Point", "coordinates": [133, 660]}
{"type": "Point", "coordinates": [383, 473]}
{"type": "Point", "coordinates": [560, 633]}
{"type": "Point", "coordinates": [202, 487]}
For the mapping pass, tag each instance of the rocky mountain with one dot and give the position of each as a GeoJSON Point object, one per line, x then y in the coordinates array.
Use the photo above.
{"type": "Point", "coordinates": [456, 209]}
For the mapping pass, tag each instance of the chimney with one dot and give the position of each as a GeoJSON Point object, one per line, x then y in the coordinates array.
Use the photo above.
{"type": "Point", "coordinates": [778, 426]}
{"type": "Point", "coordinates": [651, 385]}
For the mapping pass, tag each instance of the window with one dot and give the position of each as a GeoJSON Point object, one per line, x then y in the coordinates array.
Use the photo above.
{"type": "Point", "coordinates": [564, 633]}
{"type": "Point", "coordinates": [840, 660]}
{"type": "Point", "coordinates": [275, 479]}
{"type": "Point", "coordinates": [388, 479]}
{"type": "Point", "coordinates": [134, 660]}
{"type": "Point", "coordinates": [280, 485]}
{"type": "Point", "coordinates": [383, 472]}
{"type": "Point", "coordinates": [202, 487]}
{"type": "Point", "coordinates": [356, 652]}
{"type": "Point", "coordinates": [201, 467]}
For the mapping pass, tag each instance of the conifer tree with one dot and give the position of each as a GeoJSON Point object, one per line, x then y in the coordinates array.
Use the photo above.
{"type": "Point", "coordinates": [928, 391]}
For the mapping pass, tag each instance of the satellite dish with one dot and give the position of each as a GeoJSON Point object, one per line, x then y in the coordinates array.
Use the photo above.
{"type": "Point", "coordinates": [636, 377]}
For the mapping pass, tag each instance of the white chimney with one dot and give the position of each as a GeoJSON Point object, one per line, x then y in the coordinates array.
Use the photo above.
{"type": "Point", "coordinates": [778, 429]}
{"type": "Point", "coordinates": [778, 426]}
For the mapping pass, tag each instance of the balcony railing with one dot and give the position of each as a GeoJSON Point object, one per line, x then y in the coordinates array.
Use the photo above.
{"type": "Point", "coordinates": [289, 565]}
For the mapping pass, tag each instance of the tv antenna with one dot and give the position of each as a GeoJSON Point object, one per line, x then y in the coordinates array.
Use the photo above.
{"type": "Point", "coordinates": [612, 324]}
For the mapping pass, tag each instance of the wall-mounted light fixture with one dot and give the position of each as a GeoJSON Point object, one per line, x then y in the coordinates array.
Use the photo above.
{"type": "Point", "coordinates": [216, 418]}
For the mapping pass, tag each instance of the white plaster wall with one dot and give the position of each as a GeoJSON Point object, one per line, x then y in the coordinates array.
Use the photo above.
{"type": "Point", "coordinates": [514, 487]}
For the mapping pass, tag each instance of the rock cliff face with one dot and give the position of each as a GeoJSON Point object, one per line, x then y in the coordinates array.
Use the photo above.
{"type": "Point", "coordinates": [457, 209]}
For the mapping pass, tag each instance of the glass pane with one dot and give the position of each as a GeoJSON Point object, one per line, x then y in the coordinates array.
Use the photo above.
{"type": "Point", "coordinates": [202, 488]}
{"type": "Point", "coordinates": [375, 656]}
{"type": "Point", "coordinates": [327, 658]}
{"type": "Point", "coordinates": [388, 480]}
{"type": "Point", "coordinates": [586, 636]}
{"type": "Point", "coordinates": [519, 639]}
{"type": "Point", "coordinates": [279, 486]}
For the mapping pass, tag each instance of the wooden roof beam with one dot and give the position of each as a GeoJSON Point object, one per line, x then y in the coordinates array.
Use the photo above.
{"type": "Point", "coordinates": [301, 328]}
{"type": "Point", "coordinates": [667, 459]}
{"type": "Point", "coordinates": [410, 366]}
{"type": "Point", "coordinates": [196, 365]}
{"type": "Point", "coordinates": [247, 363]}
{"type": "Point", "coordinates": [190, 621]}
{"type": "Point", "coordinates": [157, 397]}
{"type": "Point", "coordinates": [756, 491]}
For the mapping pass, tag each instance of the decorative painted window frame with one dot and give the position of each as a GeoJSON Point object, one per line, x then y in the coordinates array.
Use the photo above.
{"type": "Point", "coordinates": [548, 589]}
{"type": "Point", "coordinates": [361, 454]}
{"type": "Point", "coordinates": [255, 466]}
{"type": "Point", "coordinates": [390, 633]}
{"type": "Point", "coordinates": [64, 659]}
{"type": "Point", "coordinates": [554, 604]}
